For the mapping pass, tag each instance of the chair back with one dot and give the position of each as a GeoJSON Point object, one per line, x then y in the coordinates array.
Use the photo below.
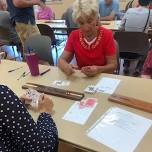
{"type": "Point", "coordinates": [128, 5]}
{"type": "Point", "coordinates": [42, 46]}
{"type": "Point", "coordinates": [132, 42]}
{"type": "Point", "coordinates": [117, 56]}
{"type": "Point", "coordinates": [48, 31]}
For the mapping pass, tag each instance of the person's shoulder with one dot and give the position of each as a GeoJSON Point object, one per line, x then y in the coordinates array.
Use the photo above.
{"type": "Point", "coordinates": [101, 2]}
{"type": "Point", "coordinates": [75, 34]}
{"type": "Point", "coordinates": [132, 10]}
{"type": "Point", "coordinates": [75, 31]}
{"type": "Point", "coordinates": [116, 1]}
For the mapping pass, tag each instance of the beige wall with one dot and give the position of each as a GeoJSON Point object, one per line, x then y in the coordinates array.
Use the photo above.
{"type": "Point", "coordinates": [59, 8]}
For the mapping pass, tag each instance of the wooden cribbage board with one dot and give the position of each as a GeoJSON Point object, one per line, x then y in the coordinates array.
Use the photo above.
{"type": "Point", "coordinates": [55, 91]}
{"type": "Point", "coordinates": [131, 102]}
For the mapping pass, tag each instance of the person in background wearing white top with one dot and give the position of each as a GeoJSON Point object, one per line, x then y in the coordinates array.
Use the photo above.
{"type": "Point", "coordinates": [137, 19]}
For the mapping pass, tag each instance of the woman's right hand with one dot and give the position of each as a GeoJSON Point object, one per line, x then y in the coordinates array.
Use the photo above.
{"type": "Point", "coordinates": [69, 70]}
{"type": "Point", "coordinates": [45, 104]}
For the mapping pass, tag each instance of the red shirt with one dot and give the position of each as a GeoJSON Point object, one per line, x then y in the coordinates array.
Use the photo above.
{"type": "Point", "coordinates": [96, 53]}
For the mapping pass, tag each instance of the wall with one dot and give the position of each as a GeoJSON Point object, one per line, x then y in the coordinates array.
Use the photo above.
{"type": "Point", "coordinates": [59, 8]}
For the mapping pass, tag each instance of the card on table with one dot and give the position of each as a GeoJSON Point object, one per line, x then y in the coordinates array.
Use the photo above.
{"type": "Point", "coordinates": [89, 102]}
{"type": "Point", "coordinates": [90, 89]}
{"type": "Point", "coordinates": [61, 83]}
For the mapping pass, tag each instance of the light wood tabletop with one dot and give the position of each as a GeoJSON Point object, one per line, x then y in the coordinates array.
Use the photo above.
{"type": "Point", "coordinates": [69, 132]}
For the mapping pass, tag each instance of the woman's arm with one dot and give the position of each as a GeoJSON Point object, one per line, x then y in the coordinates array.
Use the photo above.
{"type": "Point", "coordinates": [63, 62]}
{"type": "Point", "coordinates": [108, 68]}
{"type": "Point", "coordinates": [18, 123]}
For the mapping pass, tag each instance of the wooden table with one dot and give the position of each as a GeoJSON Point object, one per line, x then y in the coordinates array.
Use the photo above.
{"type": "Point", "coordinates": [70, 132]}
{"type": "Point", "coordinates": [55, 24]}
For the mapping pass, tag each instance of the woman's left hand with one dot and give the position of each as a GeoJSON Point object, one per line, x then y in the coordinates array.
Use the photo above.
{"type": "Point", "coordinates": [25, 100]}
{"type": "Point", "coordinates": [90, 70]}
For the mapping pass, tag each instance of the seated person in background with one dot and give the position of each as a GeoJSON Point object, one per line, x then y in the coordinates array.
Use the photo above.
{"type": "Point", "coordinates": [150, 6]}
{"type": "Point", "coordinates": [137, 19]}
{"type": "Point", "coordinates": [19, 132]}
{"type": "Point", "coordinates": [45, 12]}
{"type": "Point", "coordinates": [147, 67]}
{"type": "Point", "coordinates": [12, 38]}
{"type": "Point", "coordinates": [108, 9]}
{"type": "Point", "coordinates": [92, 45]}
{"type": "Point", "coordinates": [67, 16]}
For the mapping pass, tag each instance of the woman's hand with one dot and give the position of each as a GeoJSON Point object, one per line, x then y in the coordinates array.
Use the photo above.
{"type": "Point", "coordinates": [45, 104]}
{"type": "Point", "coordinates": [25, 100]}
{"type": "Point", "coordinates": [90, 70]}
{"type": "Point", "coordinates": [69, 70]}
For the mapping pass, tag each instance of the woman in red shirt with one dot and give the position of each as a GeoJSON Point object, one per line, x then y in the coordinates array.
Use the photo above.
{"type": "Point", "coordinates": [92, 45]}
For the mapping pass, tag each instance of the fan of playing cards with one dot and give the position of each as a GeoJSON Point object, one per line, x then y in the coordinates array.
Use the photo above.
{"type": "Point", "coordinates": [34, 95]}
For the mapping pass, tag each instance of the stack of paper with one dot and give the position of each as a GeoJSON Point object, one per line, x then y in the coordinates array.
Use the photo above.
{"type": "Point", "coordinates": [107, 85]}
{"type": "Point", "coordinates": [119, 129]}
{"type": "Point", "coordinates": [77, 114]}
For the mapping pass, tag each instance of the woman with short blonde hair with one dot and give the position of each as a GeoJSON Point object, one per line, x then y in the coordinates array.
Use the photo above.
{"type": "Point", "coordinates": [92, 45]}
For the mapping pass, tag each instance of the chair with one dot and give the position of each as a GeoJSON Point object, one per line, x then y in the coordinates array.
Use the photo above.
{"type": "Point", "coordinates": [128, 5]}
{"type": "Point", "coordinates": [48, 31]}
{"type": "Point", "coordinates": [42, 46]}
{"type": "Point", "coordinates": [117, 55]}
{"type": "Point", "coordinates": [132, 45]}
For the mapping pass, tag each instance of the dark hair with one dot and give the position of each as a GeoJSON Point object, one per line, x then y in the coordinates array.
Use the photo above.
{"type": "Point", "coordinates": [144, 2]}
{"type": "Point", "coordinates": [43, 1]}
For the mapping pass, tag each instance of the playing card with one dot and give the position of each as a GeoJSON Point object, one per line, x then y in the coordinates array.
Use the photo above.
{"type": "Point", "coordinates": [34, 95]}
{"type": "Point", "coordinates": [61, 83]}
{"type": "Point", "coordinates": [89, 102]}
{"type": "Point", "coordinates": [90, 89]}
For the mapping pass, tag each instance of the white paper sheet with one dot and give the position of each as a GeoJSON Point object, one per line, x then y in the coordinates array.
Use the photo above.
{"type": "Point", "coordinates": [79, 115]}
{"type": "Point", "coordinates": [107, 85]}
{"type": "Point", "coordinates": [119, 129]}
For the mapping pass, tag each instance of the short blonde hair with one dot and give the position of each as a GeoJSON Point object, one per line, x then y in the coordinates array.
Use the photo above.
{"type": "Point", "coordinates": [86, 7]}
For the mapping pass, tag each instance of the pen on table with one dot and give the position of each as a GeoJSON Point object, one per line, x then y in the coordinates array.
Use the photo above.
{"type": "Point", "coordinates": [21, 75]}
{"type": "Point", "coordinates": [15, 69]}
{"type": "Point", "coordinates": [45, 72]}
{"type": "Point", "coordinates": [26, 74]}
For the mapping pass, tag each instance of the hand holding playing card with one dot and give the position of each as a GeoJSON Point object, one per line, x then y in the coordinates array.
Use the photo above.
{"type": "Point", "coordinates": [90, 70]}
{"type": "Point", "coordinates": [25, 100]}
{"type": "Point", "coordinates": [45, 104]}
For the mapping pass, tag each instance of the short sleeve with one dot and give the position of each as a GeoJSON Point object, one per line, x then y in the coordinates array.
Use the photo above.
{"type": "Point", "coordinates": [69, 44]}
{"type": "Point", "coordinates": [109, 44]}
